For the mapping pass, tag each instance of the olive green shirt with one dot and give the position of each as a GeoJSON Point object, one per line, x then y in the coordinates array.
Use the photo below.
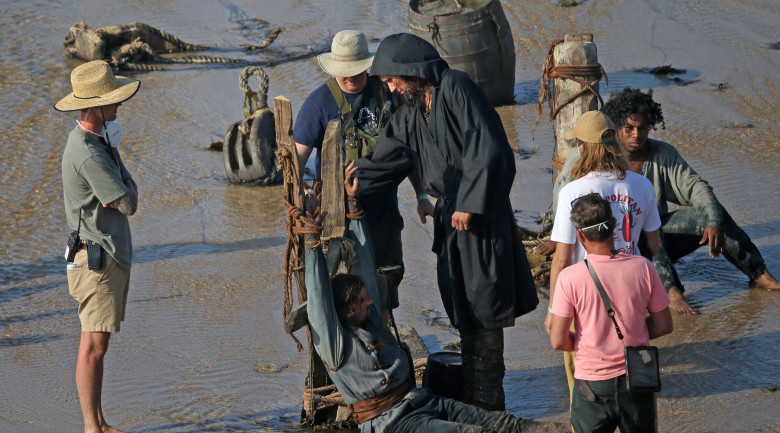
{"type": "Point", "coordinates": [674, 181]}
{"type": "Point", "coordinates": [91, 179]}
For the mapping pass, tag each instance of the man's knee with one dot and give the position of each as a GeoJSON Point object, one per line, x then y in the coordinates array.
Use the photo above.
{"type": "Point", "coordinates": [94, 345]}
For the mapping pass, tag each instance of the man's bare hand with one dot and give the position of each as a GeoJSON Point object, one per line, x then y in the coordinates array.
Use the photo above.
{"type": "Point", "coordinates": [714, 237]}
{"type": "Point", "coordinates": [311, 205]}
{"type": "Point", "coordinates": [545, 248]}
{"type": "Point", "coordinates": [424, 208]}
{"type": "Point", "coordinates": [548, 322]}
{"type": "Point", "coordinates": [350, 182]}
{"type": "Point", "coordinates": [461, 220]}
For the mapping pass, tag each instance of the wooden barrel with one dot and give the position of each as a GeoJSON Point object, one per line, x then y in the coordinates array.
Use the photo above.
{"type": "Point", "coordinates": [474, 38]}
{"type": "Point", "coordinates": [444, 374]}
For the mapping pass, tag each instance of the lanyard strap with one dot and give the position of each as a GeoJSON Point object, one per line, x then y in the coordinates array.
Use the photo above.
{"type": "Point", "coordinates": [610, 311]}
{"type": "Point", "coordinates": [78, 229]}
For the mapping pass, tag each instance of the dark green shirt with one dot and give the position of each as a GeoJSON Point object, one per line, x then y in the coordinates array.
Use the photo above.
{"type": "Point", "coordinates": [91, 179]}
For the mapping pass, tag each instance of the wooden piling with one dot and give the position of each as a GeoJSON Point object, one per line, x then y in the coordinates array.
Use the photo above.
{"type": "Point", "coordinates": [572, 97]}
{"type": "Point", "coordinates": [333, 182]}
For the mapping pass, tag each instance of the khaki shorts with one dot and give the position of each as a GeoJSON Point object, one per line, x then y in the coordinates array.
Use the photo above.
{"type": "Point", "coordinates": [101, 293]}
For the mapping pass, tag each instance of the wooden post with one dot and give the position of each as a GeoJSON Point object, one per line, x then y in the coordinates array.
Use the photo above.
{"type": "Point", "coordinates": [578, 50]}
{"type": "Point", "coordinates": [333, 182]}
{"type": "Point", "coordinates": [293, 183]}
{"type": "Point", "coordinates": [294, 191]}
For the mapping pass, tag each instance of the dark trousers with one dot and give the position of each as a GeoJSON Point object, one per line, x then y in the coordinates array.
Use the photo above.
{"type": "Point", "coordinates": [483, 368]}
{"type": "Point", "coordinates": [681, 232]}
{"type": "Point", "coordinates": [614, 406]}
{"type": "Point", "coordinates": [386, 241]}
{"type": "Point", "coordinates": [445, 415]}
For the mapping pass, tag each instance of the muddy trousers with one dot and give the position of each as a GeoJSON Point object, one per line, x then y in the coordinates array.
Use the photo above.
{"type": "Point", "coordinates": [681, 232]}
{"type": "Point", "coordinates": [612, 405]}
{"type": "Point", "coordinates": [483, 368]}
{"type": "Point", "coordinates": [445, 415]}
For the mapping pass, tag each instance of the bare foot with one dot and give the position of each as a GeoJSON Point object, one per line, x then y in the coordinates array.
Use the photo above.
{"type": "Point", "coordinates": [108, 429]}
{"type": "Point", "coordinates": [679, 305]}
{"type": "Point", "coordinates": [767, 281]}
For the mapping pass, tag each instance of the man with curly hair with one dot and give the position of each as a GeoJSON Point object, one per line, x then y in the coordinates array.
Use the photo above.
{"type": "Point", "coordinates": [700, 219]}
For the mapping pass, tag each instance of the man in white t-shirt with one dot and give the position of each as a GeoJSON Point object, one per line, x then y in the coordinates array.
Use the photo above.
{"type": "Point", "coordinates": [603, 170]}
{"type": "Point", "coordinates": [601, 402]}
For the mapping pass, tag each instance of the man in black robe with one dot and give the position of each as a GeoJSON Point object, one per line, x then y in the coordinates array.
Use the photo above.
{"type": "Point", "coordinates": [451, 133]}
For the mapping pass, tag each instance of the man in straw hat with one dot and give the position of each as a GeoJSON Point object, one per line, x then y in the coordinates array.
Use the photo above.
{"type": "Point", "coordinates": [99, 194]}
{"type": "Point", "coordinates": [603, 170]}
{"type": "Point", "coordinates": [363, 105]}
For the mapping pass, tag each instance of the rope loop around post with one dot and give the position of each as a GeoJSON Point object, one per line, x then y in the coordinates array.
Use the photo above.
{"type": "Point", "coordinates": [576, 73]}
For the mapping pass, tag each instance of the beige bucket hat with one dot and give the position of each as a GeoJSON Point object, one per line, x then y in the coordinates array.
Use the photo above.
{"type": "Point", "coordinates": [348, 55]}
{"type": "Point", "coordinates": [94, 85]}
{"type": "Point", "coordinates": [592, 127]}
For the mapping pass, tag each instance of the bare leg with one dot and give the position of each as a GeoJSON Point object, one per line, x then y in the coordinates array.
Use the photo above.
{"type": "Point", "coordinates": [89, 380]}
{"type": "Point", "coordinates": [767, 281]}
{"type": "Point", "coordinates": [679, 305]}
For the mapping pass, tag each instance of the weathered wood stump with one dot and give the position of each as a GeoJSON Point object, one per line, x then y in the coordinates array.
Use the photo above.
{"type": "Point", "coordinates": [576, 87]}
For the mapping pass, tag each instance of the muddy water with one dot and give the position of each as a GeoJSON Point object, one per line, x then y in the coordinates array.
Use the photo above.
{"type": "Point", "coordinates": [203, 347]}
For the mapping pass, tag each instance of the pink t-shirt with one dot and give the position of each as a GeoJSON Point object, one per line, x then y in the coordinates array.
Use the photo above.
{"type": "Point", "coordinates": [633, 287]}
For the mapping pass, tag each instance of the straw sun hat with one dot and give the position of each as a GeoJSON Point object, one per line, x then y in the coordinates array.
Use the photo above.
{"type": "Point", "coordinates": [348, 55]}
{"type": "Point", "coordinates": [94, 85]}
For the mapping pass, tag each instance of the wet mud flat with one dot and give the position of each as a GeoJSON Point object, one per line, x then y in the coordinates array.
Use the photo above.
{"type": "Point", "coordinates": [203, 348]}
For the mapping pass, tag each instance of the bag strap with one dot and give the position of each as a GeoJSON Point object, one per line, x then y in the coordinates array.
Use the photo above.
{"type": "Point", "coordinates": [78, 229]}
{"type": "Point", "coordinates": [610, 311]}
{"type": "Point", "coordinates": [344, 107]}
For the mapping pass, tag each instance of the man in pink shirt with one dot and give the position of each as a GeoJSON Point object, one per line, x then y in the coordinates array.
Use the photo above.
{"type": "Point", "coordinates": [601, 402]}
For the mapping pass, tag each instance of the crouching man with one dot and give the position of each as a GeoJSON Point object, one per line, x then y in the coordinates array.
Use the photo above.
{"type": "Point", "coordinates": [371, 370]}
{"type": "Point", "coordinates": [601, 401]}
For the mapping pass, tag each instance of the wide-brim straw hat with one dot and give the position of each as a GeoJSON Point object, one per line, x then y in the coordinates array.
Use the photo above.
{"type": "Point", "coordinates": [94, 85]}
{"type": "Point", "coordinates": [348, 56]}
{"type": "Point", "coordinates": [592, 127]}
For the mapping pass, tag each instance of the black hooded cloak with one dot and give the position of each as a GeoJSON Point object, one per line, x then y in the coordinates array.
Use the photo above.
{"type": "Point", "coordinates": [464, 159]}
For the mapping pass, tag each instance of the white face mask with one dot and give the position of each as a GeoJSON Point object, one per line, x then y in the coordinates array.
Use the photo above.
{"type": "Point", "coordinates": [113, 133]}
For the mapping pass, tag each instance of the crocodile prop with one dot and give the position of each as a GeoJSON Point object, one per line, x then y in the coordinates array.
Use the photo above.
{"type": "Point", "coordinates": [137, 46]}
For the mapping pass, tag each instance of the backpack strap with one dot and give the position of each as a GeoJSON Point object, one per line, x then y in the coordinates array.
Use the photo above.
{"type": "Point", "coordinates": [344, 107]}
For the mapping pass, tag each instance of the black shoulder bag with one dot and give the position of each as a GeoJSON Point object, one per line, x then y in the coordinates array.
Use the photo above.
{"type": "Point", "coordinates": [642, 368]}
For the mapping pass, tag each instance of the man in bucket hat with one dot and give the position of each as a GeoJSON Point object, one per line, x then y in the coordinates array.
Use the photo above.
{"type": "Point", "coordinates": [363, 105]}
{"type": "Point", "coordinates": [603, 170]}
{"type": "Point", "coordinates": [99, 195]}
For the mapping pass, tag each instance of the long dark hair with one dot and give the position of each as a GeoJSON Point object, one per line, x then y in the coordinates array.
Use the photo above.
{"type": "Point", "coordinates": [346, 288]}
{"type": "Point", "coordinates": [419, 87]}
